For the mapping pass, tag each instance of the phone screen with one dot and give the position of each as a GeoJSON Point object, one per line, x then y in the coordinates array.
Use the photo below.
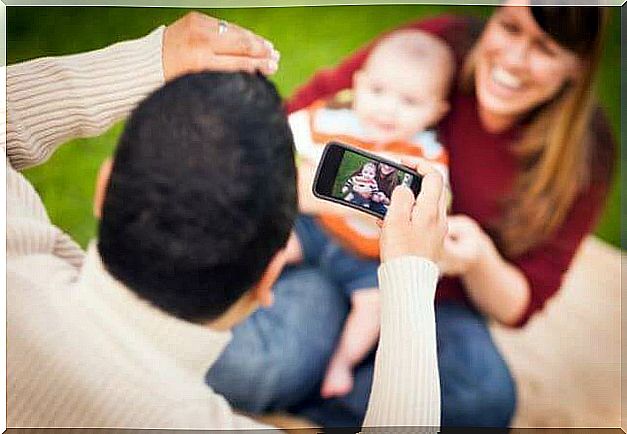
{"type": "Point", "coordinates": [361, 180]}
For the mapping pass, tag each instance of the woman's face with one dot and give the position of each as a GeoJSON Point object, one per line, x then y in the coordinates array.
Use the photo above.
{"type": "Point", "coordinates": [519, 66]}
{"type": "Point", "coordinates": [385, 169]}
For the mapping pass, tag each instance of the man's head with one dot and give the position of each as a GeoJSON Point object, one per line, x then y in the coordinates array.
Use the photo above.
{"type": "Point", "coordinates": [202, 194]}
{"type": "Point", "coordinates": [403, 87]}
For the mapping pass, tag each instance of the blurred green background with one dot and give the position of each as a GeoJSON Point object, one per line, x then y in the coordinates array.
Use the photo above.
{"type": "Point", "coordinates": [307, 37]}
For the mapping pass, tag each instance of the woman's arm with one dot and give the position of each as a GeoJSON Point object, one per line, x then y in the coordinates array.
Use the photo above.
{"type": "Point", "coordinates": [497, 287]}
{"type": "Point", "coordinates": [510, 291]}
{"type": "Point", "coordinates": [406, 384]}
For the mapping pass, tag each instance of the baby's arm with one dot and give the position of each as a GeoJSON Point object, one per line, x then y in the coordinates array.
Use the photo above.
{"type": "Point", "coordinates": [293, 250]}
{"type": "Point", "coordinates": [359, 337]}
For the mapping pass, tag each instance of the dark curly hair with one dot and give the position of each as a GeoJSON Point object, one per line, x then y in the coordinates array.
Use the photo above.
{"type": "Point", "coordinates": [202, 193]}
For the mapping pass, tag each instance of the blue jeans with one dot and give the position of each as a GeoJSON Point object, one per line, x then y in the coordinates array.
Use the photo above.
{"type": "Point", "coordinates": [278, 357]}
{"type": "Point", "coordinates": [346, 269]}
{"type": "Point", "coordinates": [477, 388]}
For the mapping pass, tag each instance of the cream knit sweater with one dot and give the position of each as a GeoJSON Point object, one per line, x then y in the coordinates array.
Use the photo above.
{"type": "Point", "coordinates": [82, 349]}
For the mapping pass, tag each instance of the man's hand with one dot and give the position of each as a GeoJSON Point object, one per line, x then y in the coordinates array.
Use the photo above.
{"type": "Point", "coordinates": [195, 43]}
{"type": "Point", "coordinates": [416, 226]}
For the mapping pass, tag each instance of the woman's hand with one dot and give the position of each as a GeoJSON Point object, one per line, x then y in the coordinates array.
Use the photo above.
{"type": "Point", "coordinates": [496, 287]}
{"type": "Point", "coordinates": [416, 226]}
{"type": "Point", "coordinates": [195, 43]}
{"type": "Point", "coordinates": [464, 246]}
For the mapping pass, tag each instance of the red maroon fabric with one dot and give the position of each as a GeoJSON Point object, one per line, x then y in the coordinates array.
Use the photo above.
{"type": "Point", "coordinates": [482, 168]}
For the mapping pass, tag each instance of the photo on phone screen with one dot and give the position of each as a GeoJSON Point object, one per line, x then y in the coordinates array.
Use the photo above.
{"type": "Point", "coordinates": [360, 180]}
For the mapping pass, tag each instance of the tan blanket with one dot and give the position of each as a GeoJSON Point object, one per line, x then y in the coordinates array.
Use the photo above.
{"type": "Point", "coordinates": [566, 361]}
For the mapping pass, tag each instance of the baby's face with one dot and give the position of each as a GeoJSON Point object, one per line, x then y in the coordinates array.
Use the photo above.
{"type": "Point", "coordinates": [396, 98]}
{"type": "Point", "coordinates": [368, 171]}
{"type": "Point", "coordinates": [362, 188]}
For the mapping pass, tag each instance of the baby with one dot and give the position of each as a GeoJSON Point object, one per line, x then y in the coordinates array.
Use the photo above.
{"type": "Point", "coordinates": [399, 93]}
{"type": "Point", "coordinates": [361, 187]}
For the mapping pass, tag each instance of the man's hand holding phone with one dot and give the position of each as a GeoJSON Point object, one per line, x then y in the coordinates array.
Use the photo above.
{"type": "Point", "coordinates": [360, 180]}
{"type": "Point", "coordinates": [416, 226]}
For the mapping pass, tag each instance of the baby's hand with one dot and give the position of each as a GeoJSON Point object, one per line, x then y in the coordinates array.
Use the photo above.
{"type": "Point", "coordinates": [380, 197]}
{"type": "Point", "coordinates": [338, 380]}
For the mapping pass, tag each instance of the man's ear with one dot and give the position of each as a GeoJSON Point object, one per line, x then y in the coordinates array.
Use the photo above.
{"type": "Point", "coordinates": [102, 180]}
{"type": "Point", "coordinates": [263, 290]}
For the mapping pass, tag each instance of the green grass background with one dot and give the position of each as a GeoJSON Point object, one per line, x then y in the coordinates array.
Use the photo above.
{"type": "Point", "coordinates": [308, 38]}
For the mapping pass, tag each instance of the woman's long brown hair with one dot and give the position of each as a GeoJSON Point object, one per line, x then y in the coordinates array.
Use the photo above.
{"type": "Point", "coordinates": [387, 183]}
{"type": "Point", "coordinates": [554, 150]}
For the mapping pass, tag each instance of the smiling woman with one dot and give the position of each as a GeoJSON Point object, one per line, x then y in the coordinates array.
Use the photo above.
{"type": "Point", "coordinates": [526, 69]}
{"type": "Point", "coordinates": [518, 67]}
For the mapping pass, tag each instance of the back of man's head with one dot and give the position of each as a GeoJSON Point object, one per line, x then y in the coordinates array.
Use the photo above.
{"type": "Point", "coordinates": [202, 193]}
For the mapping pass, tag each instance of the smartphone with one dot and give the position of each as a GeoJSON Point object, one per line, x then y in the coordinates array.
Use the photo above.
{"type": "Point", "coordinates": [360, 180]}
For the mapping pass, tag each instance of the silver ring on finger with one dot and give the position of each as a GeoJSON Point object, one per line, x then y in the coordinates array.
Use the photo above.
{"type": "Point", "coordinates": [223, 26]}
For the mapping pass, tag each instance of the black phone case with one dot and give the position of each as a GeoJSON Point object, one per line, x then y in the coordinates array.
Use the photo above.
{"type": "Point", "coordinates": [364, 154]}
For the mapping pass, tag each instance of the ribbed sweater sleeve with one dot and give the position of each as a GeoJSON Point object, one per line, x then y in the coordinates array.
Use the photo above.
{"type": "Point", "coordinates": [51, 100]}
{"type": "Point", "coordinates": [406, 383]}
